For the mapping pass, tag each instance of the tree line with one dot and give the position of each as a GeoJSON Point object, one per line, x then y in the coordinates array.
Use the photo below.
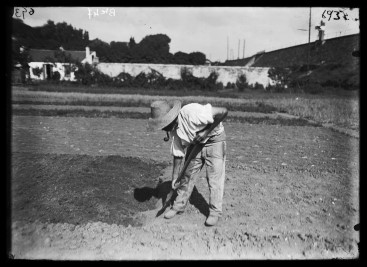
{"type": "Point", "coordinates": [151, 49]}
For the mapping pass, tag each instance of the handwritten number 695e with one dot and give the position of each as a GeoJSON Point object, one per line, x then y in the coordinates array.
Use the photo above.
{"type": "Point", "coordinates": [19, 13]}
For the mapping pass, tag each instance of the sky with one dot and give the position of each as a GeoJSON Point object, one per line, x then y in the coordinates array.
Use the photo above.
{"type": "Point", "coordinates": [247, 30]}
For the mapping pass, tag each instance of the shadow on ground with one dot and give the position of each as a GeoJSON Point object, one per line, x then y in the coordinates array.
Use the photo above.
{"type": "Point", "coordinates": [162, 190]}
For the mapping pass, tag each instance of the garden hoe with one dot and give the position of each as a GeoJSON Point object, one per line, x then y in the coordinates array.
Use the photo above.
{"type": "Point", "coordinates": [194, 151]}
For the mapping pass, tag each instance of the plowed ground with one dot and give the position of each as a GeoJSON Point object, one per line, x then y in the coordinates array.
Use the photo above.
{"type": "Point", "coordinates": [89, 188]}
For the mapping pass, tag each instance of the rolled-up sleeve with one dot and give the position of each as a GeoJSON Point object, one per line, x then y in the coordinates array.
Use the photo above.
{"type": "Point", "coordinates": [177, 149]}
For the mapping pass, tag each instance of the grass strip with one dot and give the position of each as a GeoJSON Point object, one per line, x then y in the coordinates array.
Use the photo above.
{"type": "Point", "coordinates": [338, 111]}
{"type": "Point", "coordinates": [225, 93]}
{"type": "Point", "coordinates": [128, 91]}
{"type": "Point", "coordinates": [137, 115]}
{"type": "Point", "coordinates": [257, 107]}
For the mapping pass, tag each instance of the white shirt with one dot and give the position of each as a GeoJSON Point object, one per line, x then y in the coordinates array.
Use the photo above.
{"type": "Point", "coordinates": [191, 119]}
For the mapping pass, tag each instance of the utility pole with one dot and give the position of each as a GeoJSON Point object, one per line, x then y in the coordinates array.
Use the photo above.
{"type": "Point", "coordinates": [243, 55]}
{"type": "Point", "coordinates": [309, 39]}
{"type": "Point", "coordinates": [238, 54]}
{"type": "Point", "coordinates": [227, 47]}
{"type": "Point", "coordinates": [309, 27]}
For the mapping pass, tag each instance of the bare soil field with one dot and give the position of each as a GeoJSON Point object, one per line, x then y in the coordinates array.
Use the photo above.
{"type": "Point", "coordinates": [90, 188]}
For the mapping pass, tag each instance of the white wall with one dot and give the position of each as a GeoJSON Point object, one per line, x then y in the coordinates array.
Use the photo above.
{"type": "Point", "coordinates": [34, 65]}
{"type": "Point", "coordinates": [226, 73]}
{"type": "Point", "coordinates": [56, 67]}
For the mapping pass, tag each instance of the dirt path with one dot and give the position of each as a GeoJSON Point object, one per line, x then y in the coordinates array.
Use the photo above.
{"type": "Point", "coordinates": [291, 192]}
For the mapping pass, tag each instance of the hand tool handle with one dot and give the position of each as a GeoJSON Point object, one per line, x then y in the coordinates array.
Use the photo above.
{"type": "Point", "coordinates": [194, 151]}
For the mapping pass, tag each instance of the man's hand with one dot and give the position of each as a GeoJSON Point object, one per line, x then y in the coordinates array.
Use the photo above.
{"type": "Point", "coordinates": [201, 136]}
{"type": "Point", "coordinates": [173, 183]}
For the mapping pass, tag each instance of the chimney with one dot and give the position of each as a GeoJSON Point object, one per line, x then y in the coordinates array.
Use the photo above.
{"type": "Point", "coordinates": [87, 51]}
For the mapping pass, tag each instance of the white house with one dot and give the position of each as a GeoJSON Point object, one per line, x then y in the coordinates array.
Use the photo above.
{"type": "Point", "coordinates": [40, 67]}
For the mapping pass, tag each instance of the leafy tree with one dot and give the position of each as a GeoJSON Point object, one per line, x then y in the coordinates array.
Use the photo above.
{"type": "Point", "coordinates": [241, 83]}
{"type": "Point", "coordinates": [132, 42]}
{"type": "Point", "coordinates": [84, 73]}
{"type": "Point", "coordinates": [181, 58]}
{"type": "Point", "coordinates": [87, 74]}
{"type": "Point", "coordinates": [48, 31]}
{"type": "Point", "coordinates": [103, 50]}
{"type": "Point", "coordinates": [20, 55]}
{"type": "Point", "coordinates": [120, 51]}
{"type": "Point", "coordinates": [141, 80]}
{"type": "Point", "coordinates": [50, 36]}
{"type": "Point", "coordinates": [22, 34]}
{"type": "Point", "coordinates": [124, 79]}
{"type": "Point", "coordinates": [152, 49]}
{"type": "Point", "coordinates": [197, 58]}
{"type": "Point", "coordinates": [156, 79]}
{"type": "Point", "coordinates": [56, 76]}
{"type": "Point", "coordinates": [60, 56]}
{"type": "Point", "coordinates": [37, 71]}
{"type": "Point", "coordinates": [281, 76]}
{"type": "Point", "coordinates": [86, 36]}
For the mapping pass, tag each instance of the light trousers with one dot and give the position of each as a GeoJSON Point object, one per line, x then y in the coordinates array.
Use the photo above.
{"type": "Point", "coordinates": [213, 158]}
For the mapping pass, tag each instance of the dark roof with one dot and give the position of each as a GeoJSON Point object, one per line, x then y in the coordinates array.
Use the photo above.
{"type": "Point", "coordinates": [39, 55]}
{"type": "Point", "coordinates": [237, 62]}
{"type": "Point", "coordinates": [338, 49]}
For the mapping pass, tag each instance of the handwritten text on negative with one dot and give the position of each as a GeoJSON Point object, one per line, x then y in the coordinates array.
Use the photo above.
{"type": "Point", "coordinates": [102, 11]}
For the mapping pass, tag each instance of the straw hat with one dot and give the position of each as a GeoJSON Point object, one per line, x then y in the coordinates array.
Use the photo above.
{"type": "Point", "coordinates": [163, 113]}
